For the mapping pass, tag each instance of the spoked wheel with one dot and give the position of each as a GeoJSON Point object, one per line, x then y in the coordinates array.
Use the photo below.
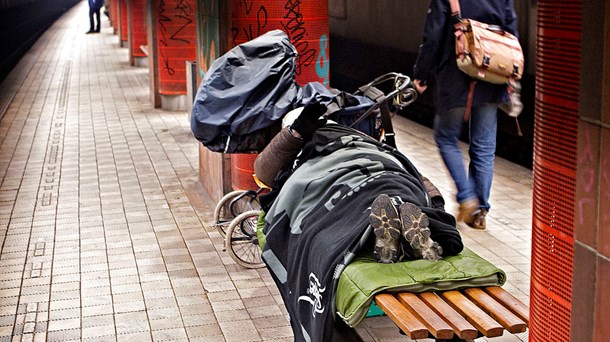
{"type": "Point", "coordinates": [231, 205]}
{"type": "Point", "coordinates": [241, 241]}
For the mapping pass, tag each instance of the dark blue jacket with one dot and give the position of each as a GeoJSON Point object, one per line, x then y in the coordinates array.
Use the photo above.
{"type": "Point", "coordinates": [437, 51]}
{"type": "Point", "coordinates": [96, 4]}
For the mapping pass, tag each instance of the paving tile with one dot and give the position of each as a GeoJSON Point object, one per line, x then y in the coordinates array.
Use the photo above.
{"type": "Point", "coordinates": [64, 314]}
{"type": "Point", "coordinates": [170, 334]}
{"type": "Point", "coordinates": [130, 306]}
{"type": "Point", "coordinates": [275, 333]}
{"type": "Point", "coordinates": [64, 324]}
{"type": "Point", "coordinates": [98, 320]}
{"type": "Point", "coordinates": [195, 310]}
{"type": "Point", "coordinates": [99, 333]}
{"type": "Point", "coordinates": [134, 337]}
{"type": "Point", "coordinates": [130, 327]}
{"type": "Point", "coordinates": [199, 331]}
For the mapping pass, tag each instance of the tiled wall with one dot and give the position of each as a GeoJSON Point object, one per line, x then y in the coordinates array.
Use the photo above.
{"type": "Point", "coordinates": [591, 288]}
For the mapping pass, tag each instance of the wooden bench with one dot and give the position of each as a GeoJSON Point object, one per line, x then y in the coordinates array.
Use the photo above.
{"type": "Point", "coordinates": [466, 313]}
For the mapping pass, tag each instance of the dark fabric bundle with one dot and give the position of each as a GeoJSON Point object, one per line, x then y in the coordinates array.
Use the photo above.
{"type": "Point", "coordinates": [244, 95]}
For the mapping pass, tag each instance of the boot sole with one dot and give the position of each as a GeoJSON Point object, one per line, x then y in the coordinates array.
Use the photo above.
{"type": "Point", "coordinates": [385, 220]}
{"type": "Point", "coordinates": [417, 234]}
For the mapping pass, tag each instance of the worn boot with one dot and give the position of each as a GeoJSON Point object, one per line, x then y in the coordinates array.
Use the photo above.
{"type": "Point", "coordinates": [386, 225]}
{"type": "Point", "coordinates": [417, 234]}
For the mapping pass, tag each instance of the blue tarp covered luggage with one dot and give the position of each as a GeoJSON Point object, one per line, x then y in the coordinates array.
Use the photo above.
{"type": "Point", "coordinates": [244, 95]}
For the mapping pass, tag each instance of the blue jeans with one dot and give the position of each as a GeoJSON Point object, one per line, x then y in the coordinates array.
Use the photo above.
{"type": "Point", "coordinates": [483, 130]}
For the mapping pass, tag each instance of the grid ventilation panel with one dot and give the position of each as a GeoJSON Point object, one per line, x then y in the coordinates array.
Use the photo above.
{"type": "Point", "coordinates": [558, 49]}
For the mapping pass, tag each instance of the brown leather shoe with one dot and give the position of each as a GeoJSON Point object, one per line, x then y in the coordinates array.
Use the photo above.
{"type": "Point", "coordinates": [477, 220]}
{"type": "Point", "coordinates": [466, 209]}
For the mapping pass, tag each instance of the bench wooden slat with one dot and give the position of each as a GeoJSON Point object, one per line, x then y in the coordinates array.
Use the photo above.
{"type": "Point", "coordinates": [496, 310]}
{"type": "Point", "coordinates": [436, 325]}
{"type": "Point", "coordinates": [485, 324]}
{"type": "Point", "coordinates": [405, 320]}
{"type": "Point", "coordinates": [460, 325]}
{"type": "Point", "coordinates": [509, 301]}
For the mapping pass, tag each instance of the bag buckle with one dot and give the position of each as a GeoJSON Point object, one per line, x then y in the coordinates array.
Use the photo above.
{"type": "Point", "coordinates": [486, 60]}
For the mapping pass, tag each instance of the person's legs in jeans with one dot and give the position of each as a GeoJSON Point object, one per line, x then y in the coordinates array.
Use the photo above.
{"type": "Point", "coordinates": [483, 131]}
{"type": "Point", "coordinates": [97, 17]}
{"type": "Point", "coordinates": [91, 26]}
{"type": "Point", "coordinates": [447, 130]}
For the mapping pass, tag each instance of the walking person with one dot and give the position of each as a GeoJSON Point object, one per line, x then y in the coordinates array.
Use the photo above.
{"type": "Point", "coordinates": [94, 9]}
{"type": "Point", "coordinates": [437, 61]}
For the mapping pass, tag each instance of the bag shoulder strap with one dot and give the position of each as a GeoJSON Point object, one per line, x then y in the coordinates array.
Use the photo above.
{"type": "Point", "coordinates": [455, 7]}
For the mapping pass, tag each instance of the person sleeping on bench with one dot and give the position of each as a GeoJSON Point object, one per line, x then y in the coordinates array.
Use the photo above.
{"type": "Point", "coordinates": [335, 189]}
{"type": "Point", "coordinates": [402, 230]}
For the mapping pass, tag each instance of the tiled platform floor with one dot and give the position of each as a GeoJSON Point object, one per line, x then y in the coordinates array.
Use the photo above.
{"type": "Point", "coordinates": [105, 230]}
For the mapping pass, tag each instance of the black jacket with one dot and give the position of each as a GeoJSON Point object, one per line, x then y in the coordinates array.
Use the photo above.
{"type": "Point", "coordinates": [437, 52]}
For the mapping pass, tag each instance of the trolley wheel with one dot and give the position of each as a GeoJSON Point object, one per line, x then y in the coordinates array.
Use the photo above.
{"type": "Point", "coordinates": [231, 205]}
{"type": "Point", "coordinates": [241, 242]}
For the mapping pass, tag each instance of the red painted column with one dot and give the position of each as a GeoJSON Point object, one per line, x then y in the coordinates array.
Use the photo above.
{"type": "Point", "coordinates": [229, 23]}
{"type": "Point", "coordinates": [306, 23]}
{"type": "Point", "coordinates": [137, 30]}
{"type": "Point", "coordinates": [558, 45]}
{"type": "Point", "coordinates": [175, 43]}
{"type": "Point", "coordinates": [123, 23]}
{"type": "Point", "coordinates": [114, 14]}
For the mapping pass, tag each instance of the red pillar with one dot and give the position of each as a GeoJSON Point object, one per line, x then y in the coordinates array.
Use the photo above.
{"type": "Point", "coordinates": [114, 14]}
{"type": "Point", "coordinates": [555, 145]}
{"type": "Point", "coordinates": [306, 24]}
{"type": "Point", "coordinates": [137, 30]}
{"type": "Point", "coordinates": [229, 23]}
{"type": "Point", "coordinates": [175, 44]}
{"type": "Point", "coordinates": [123, 23]}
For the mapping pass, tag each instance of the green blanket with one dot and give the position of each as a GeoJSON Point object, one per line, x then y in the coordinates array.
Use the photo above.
{"type": "Point", "coordinates": [364, 277]}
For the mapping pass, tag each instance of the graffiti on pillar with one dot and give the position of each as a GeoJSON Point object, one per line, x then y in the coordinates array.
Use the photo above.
{"type": "Point", "coordinates": [294, 26]}
{"type": "Point", "coordinates": [298, 19]}
{"type": "Point", "coordinates": [322, 68]}
{"type": "Point", "coordinates": [208, 43]}
{"type": "Point", "coordinates": [250, 31]}
{"type": "Point", "coordinates": [171, 27]}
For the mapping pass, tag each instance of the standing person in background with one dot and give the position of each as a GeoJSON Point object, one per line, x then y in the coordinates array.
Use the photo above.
{"type": "Point", "coordinates": [94, 8]}
{"type": "Point", "coordinates": [436, 60]}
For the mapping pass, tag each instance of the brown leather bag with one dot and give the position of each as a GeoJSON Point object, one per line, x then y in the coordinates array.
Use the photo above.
{"type": "Point", "coordinates": [486, 52]}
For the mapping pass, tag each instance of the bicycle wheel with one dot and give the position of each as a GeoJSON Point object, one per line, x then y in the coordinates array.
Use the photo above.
{"type": "Point", "coordinates": [241, 242]}
{"type": "Point", "coordinates": [231, 205]}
